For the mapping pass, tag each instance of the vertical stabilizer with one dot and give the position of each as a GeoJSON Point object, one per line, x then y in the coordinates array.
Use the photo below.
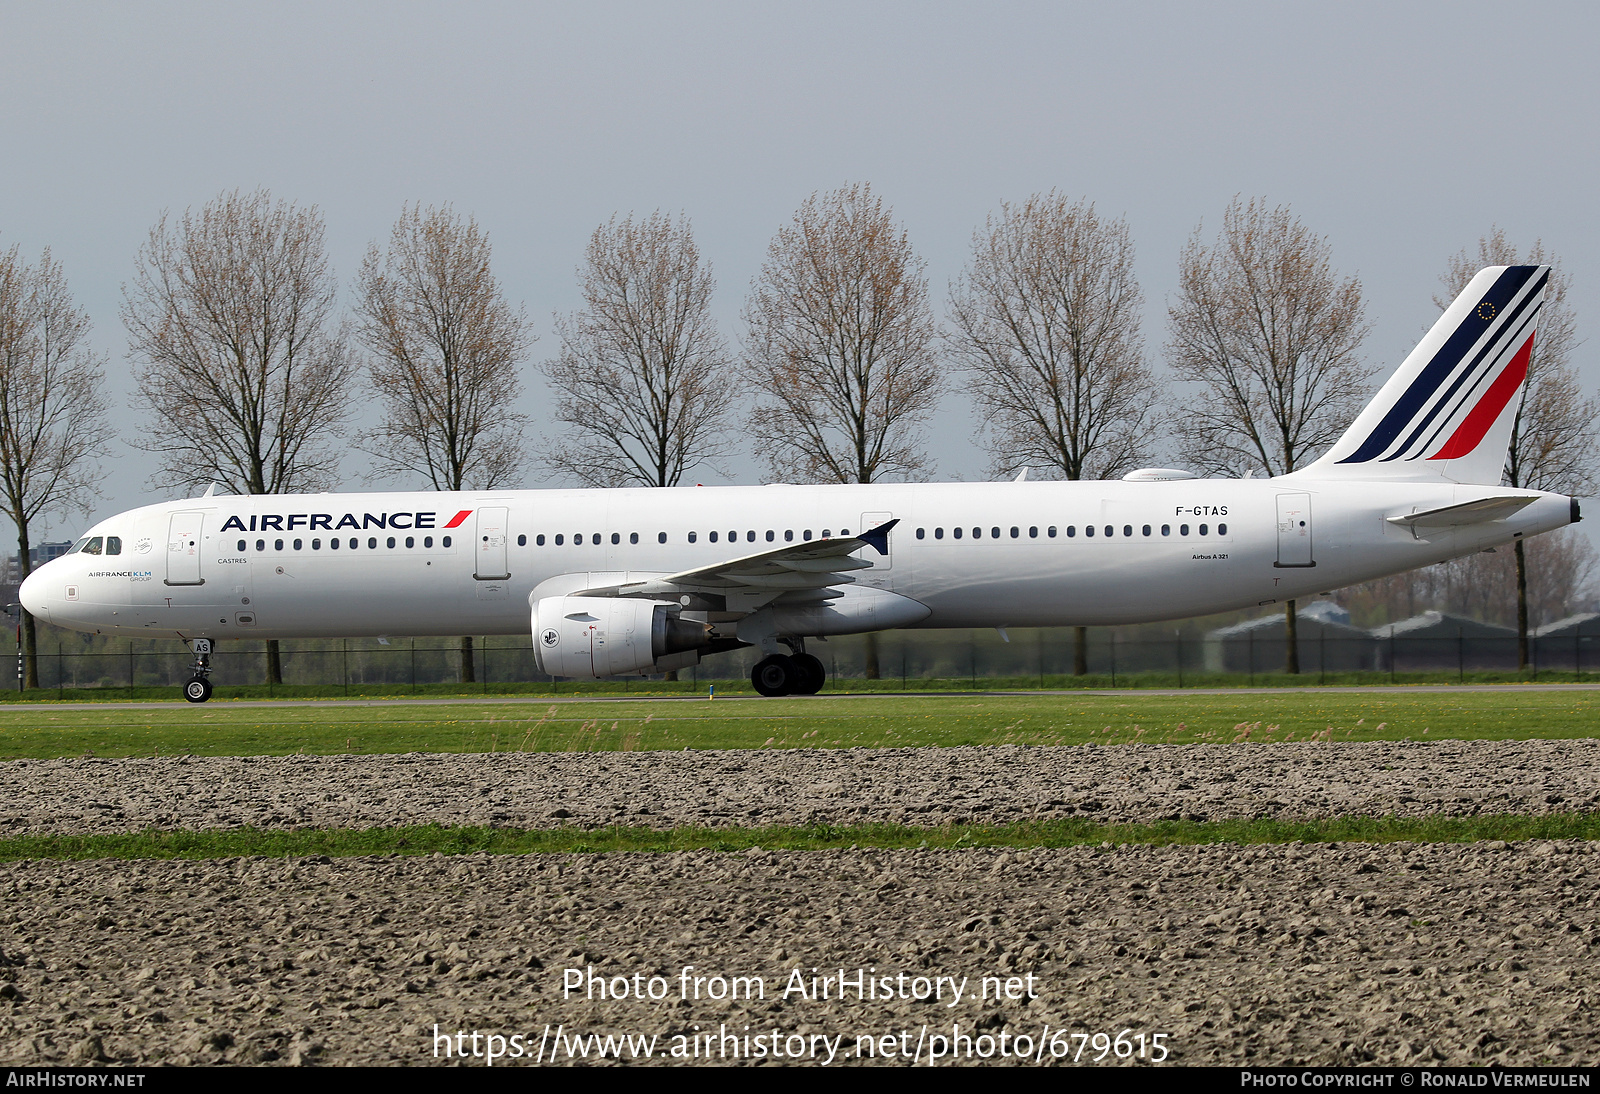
{"type": "Point", "coordinates": [1446, 413]}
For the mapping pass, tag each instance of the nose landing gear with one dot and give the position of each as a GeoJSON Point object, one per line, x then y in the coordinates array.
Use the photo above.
{"type": "Point", "coordinates": [198, 687]}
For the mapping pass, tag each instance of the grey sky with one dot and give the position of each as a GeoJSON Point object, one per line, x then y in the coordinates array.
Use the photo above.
{"type": "Point", "coordinates": [1401, 132]}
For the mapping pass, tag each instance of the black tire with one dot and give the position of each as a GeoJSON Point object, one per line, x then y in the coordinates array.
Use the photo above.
{"type": "Point", "coordinates": [776, 675]}
{"type": "Point", "coordinates": [197, 690]}
{"type": "Point", "coordinates": [812, 674]}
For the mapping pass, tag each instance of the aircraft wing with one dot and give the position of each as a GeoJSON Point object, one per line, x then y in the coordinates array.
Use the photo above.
{"type": "Point", "coordinates": [745, 582]}
{"type": "Point", "coordinates": [1472, 512]}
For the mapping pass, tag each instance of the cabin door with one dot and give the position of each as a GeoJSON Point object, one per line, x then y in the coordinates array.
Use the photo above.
{"type": "Point", "coordinates": [183, 549]}
{"type": "Point", "coordinates": [491, 564]}
{"type": "Point", "coordinates": [1294, 530]}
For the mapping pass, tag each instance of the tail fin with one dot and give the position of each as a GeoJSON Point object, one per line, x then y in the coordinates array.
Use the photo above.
{"type": "Point", "coordinates": [1446, 413]}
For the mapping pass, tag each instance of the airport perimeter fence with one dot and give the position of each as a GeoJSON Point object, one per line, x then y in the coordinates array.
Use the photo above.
{"type": "Point", "coordinates": [906, 659]}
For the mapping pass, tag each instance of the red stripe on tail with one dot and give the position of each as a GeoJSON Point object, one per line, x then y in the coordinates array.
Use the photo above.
{"type": "Point", "coordinates": [1487, 412]}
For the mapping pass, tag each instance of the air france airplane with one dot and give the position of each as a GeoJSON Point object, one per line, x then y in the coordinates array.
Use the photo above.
{"type": "Point", "coordinates": [639, 581]}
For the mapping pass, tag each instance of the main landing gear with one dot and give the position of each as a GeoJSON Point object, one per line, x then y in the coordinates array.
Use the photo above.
{"type": "Point", "coordinates": [198, 687]}
{"type": "Point", "coordinates": [800, 674]}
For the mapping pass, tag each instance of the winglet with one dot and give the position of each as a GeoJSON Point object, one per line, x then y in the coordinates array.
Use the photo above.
{"type": "Point", "coordinates": [878, 538]}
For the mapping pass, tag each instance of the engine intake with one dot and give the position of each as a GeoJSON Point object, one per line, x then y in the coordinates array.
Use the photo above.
{"type": "Point", "coordinates": [593, 636]}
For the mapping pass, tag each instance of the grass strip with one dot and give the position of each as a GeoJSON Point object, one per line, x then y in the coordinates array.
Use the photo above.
{"type": "Point", "coordinates": [815, 722]}
{"type": "Point", "coordinates": [1067, 832]}
{"type": "Point", "coordinates": [740, 686]}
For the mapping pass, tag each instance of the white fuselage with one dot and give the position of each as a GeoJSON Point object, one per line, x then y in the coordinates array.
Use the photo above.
{"type": "Point", "coordinates": [408, 564]}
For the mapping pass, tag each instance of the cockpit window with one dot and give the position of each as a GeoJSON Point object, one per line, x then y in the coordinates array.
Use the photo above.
{"type": "Point", "coordinates": [94, 546]}
{"type": "Point", "coordinates": [113, 545]}
{"type": "Point", "coordinates": [78, 546]}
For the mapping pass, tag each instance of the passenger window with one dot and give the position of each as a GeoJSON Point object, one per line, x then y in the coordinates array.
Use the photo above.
{"type": "Point", "coordinates": [594, 539]}
{"type": "Point", "coordinates": [522, 541]}
{"type": "Point", "coordinates": [114, 545]}
{"type": "Point", "coordinates": [938, 533]}
{"type": "Point", "coordinates": [1051, 531]}
{"type": "Point", "coordinates": [977, 533]}
{"type": "Point", "coordinates": [1016, 533]}
{"type": "Point", "coordinates": [1183, 529]}
{"type": "Point", "coordinates": [616, 537]}
{"type": "Point", "coordinates": [427, 541]}
{"type": "Point", "coordinates": [1033, 532]}
{"type": "Point", "coordinates": [712, 536]}
{"type": "Point", "coordinates": [1110, 531]}
{"type": "Point", "coordinates": [411, 541]}
{"type": "Point", "coordinates": [1202, 529]}
{"type": "Point", "coordinates": [826, 534]}
{"type": "Point", "coordinates": [922, 533]}
{"type": "Point", "coordinates": [1222, 529]}
{"type": "Point", "coordinates": [994, 533]}
{"type": "Point", "coordinates": [1127, 529]}
{"type": "Point", "coordinates": [1088, 529]}
{"type": "Point", "coordinates": [661, 537]}
{"type": "Point", "coordinates": [372, 543]}
{"type": "Point", "coordinates": [333, 544]}
{"type": "Point", "coordinates": [261, 545]}
{"type": "Point", "coordinates": [956, 532]}
{"type": "Point", "coordinates": [808, 535]}
{"type": "Point", "coordinates": [691, 536]}
{"type": "Point", "coordinates": [87, 552]}
{"type": "Point", "coordinates": [633, 537]}
{"type": "Point", "coordinates": [1147, 529]}
{"type": "Point", "coordinates": [1072, 531]}
{"type": "Point", "coordinates": [769, 535]}
{"type": "Point", "coordinates": [391, 542]}
{"type": "Point", "coordinates": [277, 545]}
{"type": "Point", "coordinates": [316, 545]}
{"type": "Point", "coordinates": [750, 536]}
{"type": "Point", "coordinates": [788, 535]}
{"type": "Point", "coordinates": [1166, 529]}
{"type": "Point", "coordinates": [445, 541]}
{"type": "Point", "coordinates": [297, 543]}
{"type": "Point", "coordinates": [558, 540]}
{"type": "Point", "coordinates": [538, 540]}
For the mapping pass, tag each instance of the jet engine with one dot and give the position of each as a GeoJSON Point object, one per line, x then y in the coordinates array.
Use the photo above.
{"type": "Point", "coordinates": [594, 636]}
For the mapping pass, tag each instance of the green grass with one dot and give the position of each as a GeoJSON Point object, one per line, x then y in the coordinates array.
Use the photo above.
{"type": "Point", "coordinates": [819, 722]}
{"type": "Point", "coordinates": [434, 839]}
{"type": "Point", "coordinates": [839, 686]}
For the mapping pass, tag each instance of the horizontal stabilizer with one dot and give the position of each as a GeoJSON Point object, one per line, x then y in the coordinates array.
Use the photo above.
{"type": "Point", "coordinates": [1472, 512]}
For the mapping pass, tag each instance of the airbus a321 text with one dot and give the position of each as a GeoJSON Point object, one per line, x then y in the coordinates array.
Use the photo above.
{"type": "Point", "coordinates": [622, 582]}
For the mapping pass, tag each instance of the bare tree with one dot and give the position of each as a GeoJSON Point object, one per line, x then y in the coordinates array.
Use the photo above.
{"type": "Point", "coordinates": [445, 347]}
{"type": "Point", "coordinates": [1558, 575]}
{"type": "Point", "coordinates": [1269, 336]}
{"type": "Point", "coordinates": [1553, 444]}
{"type": "Point", "coordinates": [230, 316]}
{"type": "Point", "coordinates": [1046, 322]}
{"type": "Point", "coordinates": [52, 412]}
{"type": "Point", "coordinates": [642, 371]}
{"type": "Point", "coordinates": [840, 348]}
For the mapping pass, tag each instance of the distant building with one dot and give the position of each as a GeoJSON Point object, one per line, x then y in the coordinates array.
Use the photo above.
{"type": "Point", "coordinates": [38, 555]}
{"type": "Point", "coordinates": [1569, 645]}
{"type": "Point", "coordinates": [1440, 642]}
{"type": "Point", "coordinates": [1325, 639]}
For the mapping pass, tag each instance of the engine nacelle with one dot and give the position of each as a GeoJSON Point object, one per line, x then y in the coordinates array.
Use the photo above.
{"type": "Point", "coordinates": [594, 636]}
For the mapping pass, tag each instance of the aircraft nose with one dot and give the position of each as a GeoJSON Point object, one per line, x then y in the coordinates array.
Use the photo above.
{"type": "Point", "coordinates": [32, 596]}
